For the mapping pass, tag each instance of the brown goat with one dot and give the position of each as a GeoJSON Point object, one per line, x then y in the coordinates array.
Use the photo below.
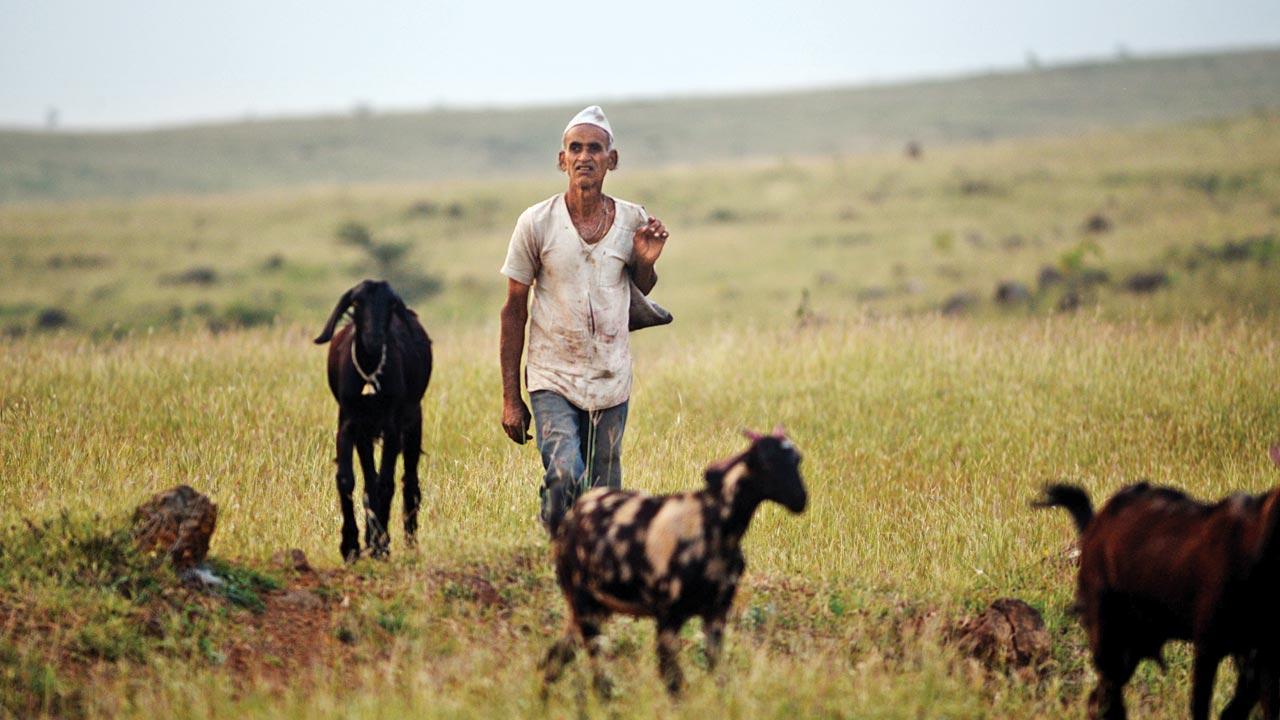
{"type": "Point", "coordinates": [669, 557]}
{"type": "Point", "coordinates": [1156, 565]}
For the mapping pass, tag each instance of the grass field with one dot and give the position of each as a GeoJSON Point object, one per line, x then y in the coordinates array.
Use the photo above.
{"type": "Point", "coordinates": [877, 233]}
{"type": "Point", "coordinates": [925, 435]}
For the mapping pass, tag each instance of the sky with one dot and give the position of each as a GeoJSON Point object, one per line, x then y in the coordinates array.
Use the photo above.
{"type": "Point", "coordinates": [135, 63]}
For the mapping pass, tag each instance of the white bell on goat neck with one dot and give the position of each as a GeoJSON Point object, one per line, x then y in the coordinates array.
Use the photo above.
{"type": "Point", "coordinates": [368, 389]}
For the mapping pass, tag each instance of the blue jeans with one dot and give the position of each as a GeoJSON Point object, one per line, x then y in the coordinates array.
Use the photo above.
{"type": "Point", "coordinates": [580, 449]}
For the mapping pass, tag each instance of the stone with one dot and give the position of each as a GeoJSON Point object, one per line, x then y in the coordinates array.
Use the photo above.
{"type": "Point", "coordinates": [1097, 223]}
{"type": "Point", "coordinates": [177, 522]}
{"type": "Point", "coordinates": [1146, 282]}
{"type": "Point", "coordinates": [291, 559]}
{"type": "Point", "coordinates": [1048, 277]}
{"type": "Point", "coordinates": [1009, 634]}
{"type": "Point", "coordinates": [1010, 292]}
{"type": "Point", "coordinates": [958, 303]}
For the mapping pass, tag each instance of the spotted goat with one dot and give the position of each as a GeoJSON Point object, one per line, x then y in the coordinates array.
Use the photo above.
{"type": "Point", "coordinates": [669, 557]}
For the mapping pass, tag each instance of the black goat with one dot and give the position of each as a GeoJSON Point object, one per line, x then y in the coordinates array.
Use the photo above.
{"type": "Point", "coordinates": [379, 367]}
{"type": "Point", "coordinates": [669, 557]}
{"type": "Point", "coordinates": [1156, 565]}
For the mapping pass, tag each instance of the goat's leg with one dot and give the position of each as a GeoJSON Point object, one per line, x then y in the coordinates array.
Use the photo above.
{"type": "Point", "coordinates": [668, 651]}
{"type": "Point", "coordinates": [1269, 689]}
{"type": "Point", "coordinates": [591, 637]}
{"type": "Point", "coordinates": [1203, 671]}
{"type": "Point", "coordinates": [385, 490]}
{"type": "Point", "coordinates": [412, 449]}
{"type": "Point", "coordinates": [1248, 682]}
{"type": "Point", "coordinates": [1114, 657]}
{"type": "Point", "coordinates": [1114, 668]}
{"type": "Point", "coordinates": [713, 628]}
{"type": "Point", "coordinates": [558, 657]}
{"type": "Point", "coordinates": [364, 448]}
{"type": "Point", "coordinates": [350, 547]}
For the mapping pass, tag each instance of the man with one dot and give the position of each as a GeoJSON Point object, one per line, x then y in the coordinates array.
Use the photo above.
{"type": "Point", "coordinates": [580, 251]}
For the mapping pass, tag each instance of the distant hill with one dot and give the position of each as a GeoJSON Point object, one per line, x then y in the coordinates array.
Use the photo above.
{"type": "Point", "coordinates": [459, 144]}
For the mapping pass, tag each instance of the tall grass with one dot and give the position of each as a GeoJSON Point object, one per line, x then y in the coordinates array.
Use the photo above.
{"type": "Point", "coordinates": [924, 439]}
{"type": "Point", "coordinates": [924, 436]}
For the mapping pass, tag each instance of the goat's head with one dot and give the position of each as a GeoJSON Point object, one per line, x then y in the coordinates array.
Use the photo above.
{"type": "Point", "coordinates": [774, 467]}
{"type": "Point", "coordinates": [372, 303]}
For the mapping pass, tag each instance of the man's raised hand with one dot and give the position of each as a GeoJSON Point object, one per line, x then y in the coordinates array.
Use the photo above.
{"type": "Point", "coordinates": [649, 241]}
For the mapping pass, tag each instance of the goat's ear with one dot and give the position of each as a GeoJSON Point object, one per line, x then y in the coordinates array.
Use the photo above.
{"type": "Point", "coordinates": [344, 302]}
{"type": "Point", "coordinates": [751, 435]}
{"type": "Point", "coordinates": [779, 431]}
{"type": "Point", "coordinates": [1269, 542]}
{"type": "Point", "coordinates": [715, 478]}
{"type": "Point", "coordinates": [1275, 454]}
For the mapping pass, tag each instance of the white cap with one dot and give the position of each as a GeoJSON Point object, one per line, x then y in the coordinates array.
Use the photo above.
{"type": "Point", "coordinates": [591, 116]}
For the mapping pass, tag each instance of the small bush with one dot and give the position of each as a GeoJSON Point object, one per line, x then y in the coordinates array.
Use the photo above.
{"type": "Point", "coordinates": [354, 233]}
{"type": "Point", "coordinates": [1214, 184]}
{"type": "Point", "coordinates": [245, 315]}
{"type": "Point", "coordinates": [723, 215]}
{"type": "Point", "coordinates": [422, 208]}
{"type": "Point", "coordinates": [201, 275]}
{"type": "Point", "coordinates": [78, 553]}
{"type": "Point", "coordinates": [30, 686]}
{"type": "Point", "coordinates": [387, 260]}
{"type": "Point", "coordinates": [52, 319]}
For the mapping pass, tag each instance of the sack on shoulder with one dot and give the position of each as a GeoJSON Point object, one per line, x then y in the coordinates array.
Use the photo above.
{"type": "Point", "coordinates": [645, 312]}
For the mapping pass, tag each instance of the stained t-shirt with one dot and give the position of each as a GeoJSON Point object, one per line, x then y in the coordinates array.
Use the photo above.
{"type": "Point", "coordinates": [578, 344]}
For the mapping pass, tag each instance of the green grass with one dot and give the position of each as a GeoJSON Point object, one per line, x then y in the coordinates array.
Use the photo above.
{"type": "Point", "coordinates": [924, 439]}
{"type": "Point", "coordinates": [449, 144]}
{"type": "Point", "coordinates": [924, 435]}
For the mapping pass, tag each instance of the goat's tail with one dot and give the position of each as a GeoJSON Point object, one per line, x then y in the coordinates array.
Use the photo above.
{"type": "Point", "coordinates": [1070, 497]}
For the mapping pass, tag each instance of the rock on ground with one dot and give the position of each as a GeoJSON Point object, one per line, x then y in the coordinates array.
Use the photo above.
{"type": "Point", "coordinates": [177, 522]}
{"type": "Point", "coordinates": [291, 559]}
{"type": "Point", "coordinates": [1010, 633]}
{"type": "Point", "coordinates": [1010, 292]}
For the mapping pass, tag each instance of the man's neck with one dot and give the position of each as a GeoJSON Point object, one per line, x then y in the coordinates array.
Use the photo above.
{"type": "Point", "coordinates": [584, 202]}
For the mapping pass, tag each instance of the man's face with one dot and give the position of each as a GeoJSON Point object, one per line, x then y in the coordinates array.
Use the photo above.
{"type": "Point", "coordinates": [586, 155]}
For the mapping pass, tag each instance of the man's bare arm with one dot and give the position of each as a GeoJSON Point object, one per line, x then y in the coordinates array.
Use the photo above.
{"type": "Point", "coordinates": [645, 277]}
{"type": "Point", "coordinates": [514, 316]}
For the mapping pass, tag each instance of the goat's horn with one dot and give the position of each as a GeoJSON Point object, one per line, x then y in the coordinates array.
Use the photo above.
{"type": "Point", "coordinates": [751, 435]}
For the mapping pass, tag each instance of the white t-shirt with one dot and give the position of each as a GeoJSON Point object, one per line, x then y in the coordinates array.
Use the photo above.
{"type": "Point", "coordinates": [579, 345]}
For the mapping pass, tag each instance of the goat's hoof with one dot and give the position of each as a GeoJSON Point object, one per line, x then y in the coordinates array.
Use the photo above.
{"type": "Point", "coordinates": [350, 555]}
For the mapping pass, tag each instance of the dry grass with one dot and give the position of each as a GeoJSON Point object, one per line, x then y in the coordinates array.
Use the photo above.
{"type": "Point", "coordinates": [925, 436]}
{"type": "Point", "coordinates": [924, 440]}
